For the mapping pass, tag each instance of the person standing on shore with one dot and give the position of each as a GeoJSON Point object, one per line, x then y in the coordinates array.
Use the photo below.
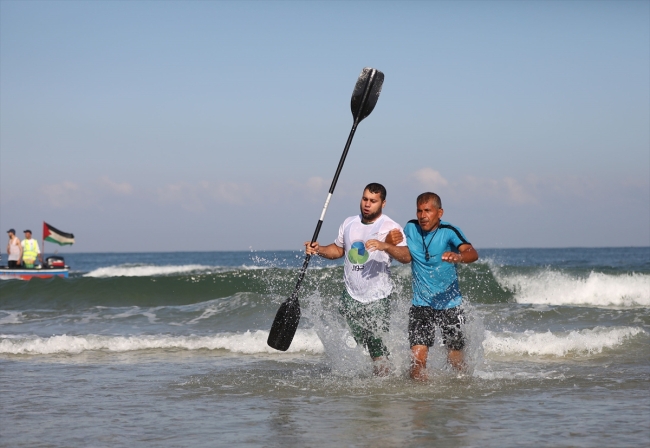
{"type": "Point", "coordinates": [14, 250]}
{"type": "Point", "coordinates": [435, 247]}
{"type": "Point", "coordinates": [368, 251]}
{"type": "Point", "coordinates": [31, 250]}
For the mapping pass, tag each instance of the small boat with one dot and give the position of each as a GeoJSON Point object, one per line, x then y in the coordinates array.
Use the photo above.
{"type": "Point", "coordinates": [54, 267]}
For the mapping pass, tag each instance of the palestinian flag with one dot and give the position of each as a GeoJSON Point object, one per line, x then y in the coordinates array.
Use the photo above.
{"type": "Point", "coordinates": [54, 235]}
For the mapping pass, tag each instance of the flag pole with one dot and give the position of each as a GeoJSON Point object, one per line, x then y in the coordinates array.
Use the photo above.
{"type": "Point", "coordinates": [43, 254]}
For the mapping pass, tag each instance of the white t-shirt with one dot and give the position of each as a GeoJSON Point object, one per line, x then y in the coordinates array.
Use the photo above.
{"type": "Point", "coordinates": [366, 274]}
{"type": "Point", "coordinates": [14, 250]}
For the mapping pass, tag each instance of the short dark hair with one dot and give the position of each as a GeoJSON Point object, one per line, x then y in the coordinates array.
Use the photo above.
{"type": "Point", "coordinates": [375, 188]}
{"type": "Point", "coordinates": [428, 196]}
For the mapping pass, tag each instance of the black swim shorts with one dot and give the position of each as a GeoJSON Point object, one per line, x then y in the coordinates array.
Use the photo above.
{"type": "Point", "coordinates": [424, 320]}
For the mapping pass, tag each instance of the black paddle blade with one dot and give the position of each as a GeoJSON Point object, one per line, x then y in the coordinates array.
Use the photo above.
{"type": "Point", "coordinates": [368, 88]}
{"type": "Point", "coordinates": [284, 325]}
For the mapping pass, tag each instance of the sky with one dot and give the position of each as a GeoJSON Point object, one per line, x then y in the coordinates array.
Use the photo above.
{"type": "Point", "coordinates": [217, 125]}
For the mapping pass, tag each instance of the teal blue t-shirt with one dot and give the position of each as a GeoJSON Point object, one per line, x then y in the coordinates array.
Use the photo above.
{"type": "Point", "coordinates": [435, 282]}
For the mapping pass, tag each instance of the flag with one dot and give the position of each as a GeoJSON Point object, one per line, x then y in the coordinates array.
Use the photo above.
{"type": "Point", "coordinates": [56, 236]}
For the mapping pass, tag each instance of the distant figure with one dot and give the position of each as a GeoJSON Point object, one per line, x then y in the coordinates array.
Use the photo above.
{"type": "Point", "coordinates": [435, 247]}
{"type": "Point", "coordinates": [368, 250]}
{"type": "Point", "coordinates": [14, 250]}
{"type": "Point", "coordinates": [30, 250]}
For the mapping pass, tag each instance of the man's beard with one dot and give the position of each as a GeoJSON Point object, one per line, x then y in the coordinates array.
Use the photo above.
{"type": "Point", "coordinates": [370, 217]}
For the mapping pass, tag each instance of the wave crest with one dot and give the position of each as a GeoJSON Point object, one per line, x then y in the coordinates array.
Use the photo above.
{"type": "Point", "coordinates": [601, 290]}
{"type": "Point", "coordinates": [531, 343]}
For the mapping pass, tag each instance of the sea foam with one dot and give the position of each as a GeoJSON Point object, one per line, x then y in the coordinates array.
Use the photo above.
{"type": "Point", "coordinates": [245, 343]}
{"type": "Point", "coordinates": [129, 270]}
{"type": "Point", "coordinates": [11, 317]}
{"type": "Point", "coordinates": [529, 343]}
{"type": "Point", "coordinates": [602, 290]}
{"type": "Point", "coordinates": [583, 342]}
{"type": "Point", "coordinates": [145, 271]}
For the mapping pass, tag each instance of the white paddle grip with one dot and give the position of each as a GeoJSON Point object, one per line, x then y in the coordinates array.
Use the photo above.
{"type": "Point", "coordinates": [327, 202]}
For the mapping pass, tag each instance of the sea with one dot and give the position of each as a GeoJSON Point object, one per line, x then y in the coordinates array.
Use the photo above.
{"type": "Point", "coordinates": [169, 350]}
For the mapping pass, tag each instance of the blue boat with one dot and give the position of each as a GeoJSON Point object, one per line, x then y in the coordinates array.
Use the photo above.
{"type": "Point", "coordinates": [54, 267]}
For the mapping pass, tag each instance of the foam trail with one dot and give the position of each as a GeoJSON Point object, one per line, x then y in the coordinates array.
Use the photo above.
{"type": "Point", "coordinates": [246, 343]}
{"type": "Point", "coordinates": [603, 290]}
{"type": "Point", "coordinates": [549, 344]}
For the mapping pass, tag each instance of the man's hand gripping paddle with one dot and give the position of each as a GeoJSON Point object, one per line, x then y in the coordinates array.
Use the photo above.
{"type": "Point", "coordinates": [364, 98]}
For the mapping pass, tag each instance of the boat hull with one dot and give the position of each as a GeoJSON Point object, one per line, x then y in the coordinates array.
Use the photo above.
{"type": "Point", "coordinates": [28, 274]}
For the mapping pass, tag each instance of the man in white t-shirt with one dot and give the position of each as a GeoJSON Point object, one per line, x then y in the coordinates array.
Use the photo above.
{"type": "Point", "coordinates": [14, 249]}
{"type": "Point", "coordinates": [366, 241]}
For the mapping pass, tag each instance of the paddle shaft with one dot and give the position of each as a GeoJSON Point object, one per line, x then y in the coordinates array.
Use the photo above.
{"type": "Point", "coordinates": [305, 263]}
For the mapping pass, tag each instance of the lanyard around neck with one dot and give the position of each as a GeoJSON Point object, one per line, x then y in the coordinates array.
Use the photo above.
{"type": "Point", "coordinates": [426, 246]}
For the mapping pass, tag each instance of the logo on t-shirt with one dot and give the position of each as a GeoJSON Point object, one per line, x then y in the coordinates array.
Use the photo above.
{"type": "Point", "coordinates": [358, 253]}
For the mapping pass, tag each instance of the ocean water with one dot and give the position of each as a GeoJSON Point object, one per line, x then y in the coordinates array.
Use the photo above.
{"type": "Point", "coordinates": [169, 349]}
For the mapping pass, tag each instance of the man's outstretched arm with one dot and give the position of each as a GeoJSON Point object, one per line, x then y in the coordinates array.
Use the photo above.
{"type": "Point", "coordinates": [467, 255]}
{"type": "Point", "coordinates": [331, 251]}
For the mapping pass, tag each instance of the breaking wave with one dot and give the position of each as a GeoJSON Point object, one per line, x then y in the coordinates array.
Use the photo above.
{"type": "Point", "coordinates": [529, 343]}
{"type": "Point", "coordinates": [587, 341]}
{"type": "Point", "coordinates": [250, 342]}
{"type": "Point", "coordinates": [597, 289]}
{"type": "Point", "coordinates": [127, 270]}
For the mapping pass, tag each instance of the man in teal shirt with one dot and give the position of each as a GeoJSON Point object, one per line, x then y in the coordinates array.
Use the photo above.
{"type": "Point", "coordinates": [435, 247]}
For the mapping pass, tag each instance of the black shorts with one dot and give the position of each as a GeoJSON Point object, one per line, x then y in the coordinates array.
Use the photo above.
{"type": "Point", "coordinates": [423, 321]}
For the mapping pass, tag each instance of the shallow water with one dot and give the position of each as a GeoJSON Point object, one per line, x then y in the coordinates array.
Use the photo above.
{"type": "Point", "coordinates": [132, 351]}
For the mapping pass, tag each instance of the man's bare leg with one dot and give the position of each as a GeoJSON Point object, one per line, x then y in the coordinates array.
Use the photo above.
{"type": "Point", "coordinates": [456, 359]}
{"type": "Point", "coordinates": [419, 354]}
{"type": "Point", "coordinates": [380, 366]}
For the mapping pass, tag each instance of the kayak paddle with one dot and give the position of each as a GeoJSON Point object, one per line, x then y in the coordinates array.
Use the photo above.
{"type": "Point", "coordinates": [364, 98]}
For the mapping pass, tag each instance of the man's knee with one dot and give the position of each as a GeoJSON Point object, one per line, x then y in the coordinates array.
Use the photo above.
{"type": "Point", "coordinates": [419, 354]}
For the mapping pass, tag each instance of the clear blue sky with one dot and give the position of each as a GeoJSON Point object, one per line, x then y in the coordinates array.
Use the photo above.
{"type": "Point", "coordinates": [155, 126]}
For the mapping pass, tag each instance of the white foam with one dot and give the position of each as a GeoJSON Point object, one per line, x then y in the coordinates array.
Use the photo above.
{"type": "Point", "coordinates": [519, 375]}
{"type": "Point", "coordinates": [587, 341]}
{"type": "Point", "coordinates": [247, 343]}
{"type": "Point", "coordinates": [602, 290]}
{"type": "Point", "coordinates": [249, 267]}
{"type": "Point", "coordinates": [11, 317]}
{"type": "Point", "coordinates": [145, 270]}
{"type": "Point", "coordinates": [132, 270]}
